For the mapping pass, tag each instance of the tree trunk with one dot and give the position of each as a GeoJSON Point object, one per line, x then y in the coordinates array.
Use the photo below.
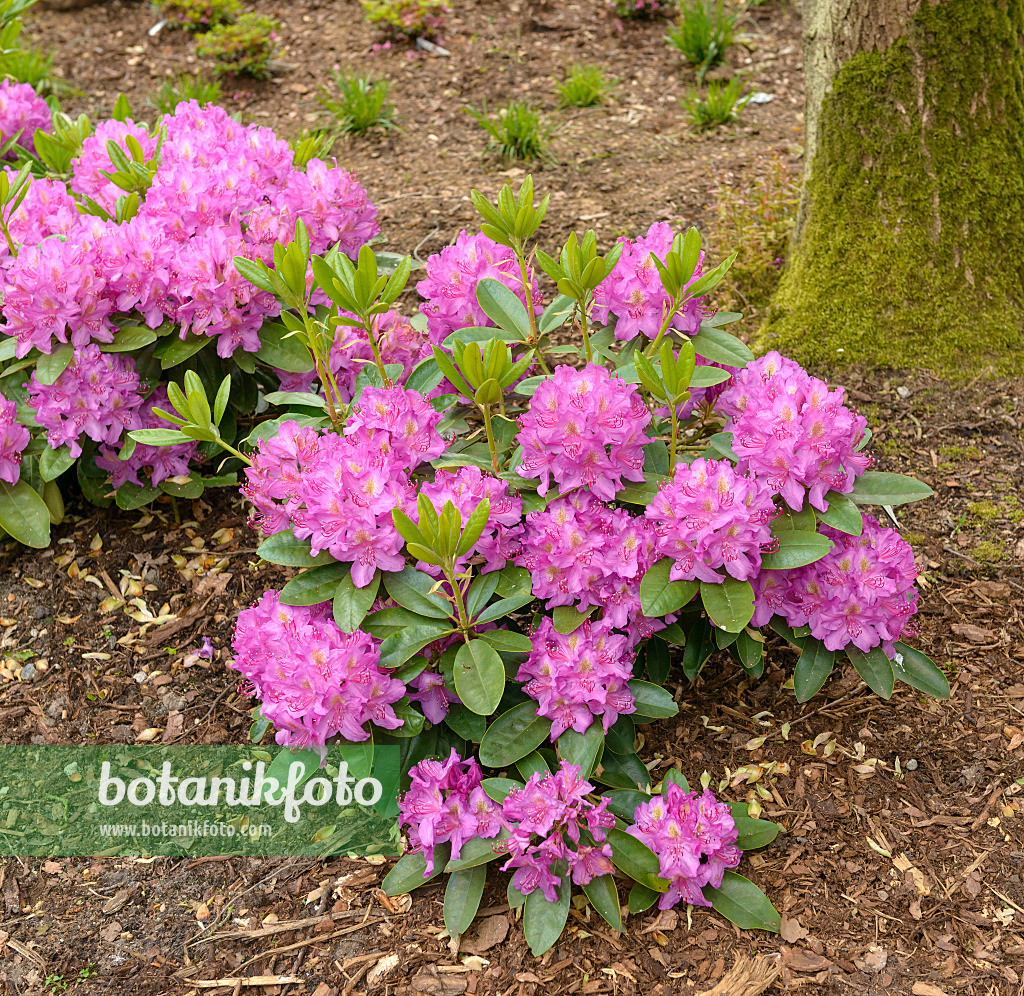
{"type": "Point", "coordinates": [909, 244]}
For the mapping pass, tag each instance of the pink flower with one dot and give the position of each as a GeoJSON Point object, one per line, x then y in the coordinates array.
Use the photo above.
{"type": "Point", "coordinates": [708, 517]}
{"type": "Point", "coordinates": [633, 293]}
{"type": "Point", "coordinates": [94, 159]}
{"type": "Point", "coordinates": [584, 428]}
{"type": "Point", "coordinates": [22, 110]}
{"type": "Point", "coordinates": [97, 395]}
{"type": "Point", "coordinates": [400, 422]}
{"type": "Point", "coordinates": [13, 439]}
{"type": "Point", "coordinates": [577, 677]}
{"type": "Point", "coordinates": [314, 682]}
{"type": "Point", "coordinates": [792, 432]}
{"type": "Point", "coordinates": [452, 278]}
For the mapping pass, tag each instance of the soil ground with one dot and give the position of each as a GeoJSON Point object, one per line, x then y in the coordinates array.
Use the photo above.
{"type": "Point", "coordinates": [899, 870]}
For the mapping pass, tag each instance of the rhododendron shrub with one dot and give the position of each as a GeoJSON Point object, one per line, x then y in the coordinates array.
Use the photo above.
{"type": "Point", "coordinates": [506, 544]}
{"type": "Point", "coordinates": [120, 278]}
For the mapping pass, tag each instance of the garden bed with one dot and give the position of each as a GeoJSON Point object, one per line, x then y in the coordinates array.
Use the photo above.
{"type": "Point", "coordinates": [886, 878]}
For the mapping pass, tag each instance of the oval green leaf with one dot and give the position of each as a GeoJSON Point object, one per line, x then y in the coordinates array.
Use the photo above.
{"type": "Point", "coordinates": [743, 903]}
{"type": "Point", "coordinates": [878, 488]}
{"type": "Point", "coordinates": [513, 735]}
{"type": "Point", "coordinates": [918, 670]}
{"type": "Point", "coordinates": [462, 898]}
{"type": "Point", "coordinates": [24, 515]}
{"type": "Point", "coordinates": [730, 604]}
{"type": "Point", "coordinates": [796, 548]}
{"type": "Point", "coordinates": [479, 677]}
{"type": "Point", "coordinates": [875, 668]}
{"type": "Point", "coordinates": [659, 596]}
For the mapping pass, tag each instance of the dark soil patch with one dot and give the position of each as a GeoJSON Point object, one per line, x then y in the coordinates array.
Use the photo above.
{"type": "Point", "coordinates": [888, 878]}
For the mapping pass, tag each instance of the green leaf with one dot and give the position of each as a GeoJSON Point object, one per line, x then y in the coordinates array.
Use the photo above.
{"type": "Point", "coordinates": [410, 872]}
{"type": "Point", "coordinates": [304, 398]}
{"type": "Point", "coordinates": [676, 777]}
{"type": "Point", "coordinates": [567, 619]}
{"type": "Point", "coordinates": [132, 496]}
{"type": "Point", "coordinates": [621, 738]}
{"type": "Point", "coordinates": [812, 669]}
{"type": "Point", "coordinates": [543, 922]}
{"type": "Point", "coordinates": [581, 749]}
{"type": "Point", "coordinates": [743, 903]}
{"type": "Point", "coordinates": [283, 351]}
{"type": "Point", "coordinates": [399, 647]}
{"type": "Point", "coordinates": [173, 350]}
{"type": "Point", "coordinates": [158, 437]}
{"type": "Point", "coordinates": [462, 898]}
{"type": "Point", "coordinates": [787, 520]}
{"type": "Point", "coordinates": [513, 735]}
{"type": "Point", "coordinates": [604, 897]}
{"type": "Point", "coordinates": [386, 622]}
{"type": "Point", "coordinates": [623, 802]}
{"type": "Point", "coordinates": [750, 653]}
{"type": "Point", "coordinates": [499, 789]}
{"type": "Point", "coordinates": [513, 581]}
{"type": "Point", "coordinates": [8, 347]}
{"type": "Point", "coordinates": [754, 833]}
{"type": "Point", "coordinates": [506, 641]}
{"type": "Point", "coordinates": [623, 771]}
{"type": "Point", "coordinates": [479, 851]}
{"type": "Point", "coordinates": [730, 604]}
{"type": "Point", "coordinates": [699, 648]}
{"type": "Point", "coordinates": [877, 488]}
{"type": "Point", "coordinates": [634, 493]}
{"type": "Point", "coordinates": [468, 725]}
{"type": "Point", "coordinates": [636, 860]}
{"type": "Point", "coordinates": [708, 376]}
{"type": "Point", "coordinates": [720, 347]}
{"type": "Point", "coordinates": [875, 668]}
{"type": "Point", "coordinates": [503, 307]}
{"type": "Point", "coordinates": [657, 660]}
{"type": "Point", "coordinates": [917, 670]}
{"type": "Point", "coordinates": [641, 898]}
{"type": "Point", "coordinates": [24, 515]}
{"type": "Point", "coordinates": [533, 762]}
{"type": "Point", "coordinates": [480, 592]}
{"type": "Point", "coordinates": [315, 585]}
{"type": "Point", "coordinates": [777, 625]}
{"type": "Point", "coordinates": [190, 489]}
{"type": "Point", "coordinates": [479, 677]}
{"type": "Point", "coordinates": [659, 596]}
{"type": "Point", "coordinates": [129, 339]}
{"type": "Point", "coordinates": [284, 549]}
{"type": "Point", "coordinates": [652, 701]}
{"type": "Point", "coordinates": [514, 896]}
{"type": "Point", "coordinates": [50, 366]}
{"type": "Point", "coordinates": [351, 604]}
{"type": "Point", "coordinates": [721, 446]}
{"type": "Point", "coordinates": [411, 588]}
{"type": "Point", "coordinates": [53, 463]}
{"type": "Point", "coordinates": [797, 548]}
{"type": "Point", "coordinates": [412, 720]}
{"type": "Point", "coordinates": [843, 514]}
{"type": "Point", "coordinates": [556, 314]}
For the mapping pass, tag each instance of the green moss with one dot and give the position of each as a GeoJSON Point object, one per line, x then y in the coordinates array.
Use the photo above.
{"type": "Point", "coordinates": [984, 511]}
{"type": "Point", "coordinates": [988, 552]}
{"type": "Point", "coordinates": [905, 258]}
{"type": "Point", "coordinates": [961, 452]}
{"type": "Point", "coordinates": [914, 539]}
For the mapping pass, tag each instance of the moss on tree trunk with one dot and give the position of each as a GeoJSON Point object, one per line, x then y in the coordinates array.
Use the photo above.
{"type": "Point", "coordinates": [910, 245]}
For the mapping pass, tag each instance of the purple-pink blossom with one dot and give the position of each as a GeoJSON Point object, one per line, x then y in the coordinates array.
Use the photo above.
{"type": "Point", "coordinates": [707, 517]}
{"type": "Point", "coordinates": [22, 110]}
{"type": "Point", "coordinates": [633, 293]}
{"type": "Point", "coordinates": [314, 682]}
{"type": "Point", "coordinates": [792, 432]}
{"type": "Point", "coordinates": [694, 838]}
{"type": "Point", "coordinates": [97, 395]}
{"type": "Point", "coordinates": [584, 428]}
{"type": "Point", "coordinates": [861, 593]}
{"type": "Point", "coordinates": [451, 281]}
{"type": "Point", "coordinates": [400, 422]}
{"type": "Point", "coordinates": [579, 676]}
{"type": "Point", "coordinates": [14, 437]}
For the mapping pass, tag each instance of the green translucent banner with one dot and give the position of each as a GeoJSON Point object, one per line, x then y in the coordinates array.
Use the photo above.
{"type": "Point", "coordinates": [182, 801]}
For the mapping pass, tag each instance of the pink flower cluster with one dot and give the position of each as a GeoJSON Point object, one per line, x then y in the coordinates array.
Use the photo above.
{"type": "Point", "coordinates": [400, 422]}
{"type": "Point", "coordinates": [13, 439]}
{"type": "Point", "coordinates": [162, 461]}
{"type": "Point", "coordinates": [347, 498]}
{"type": "Point", "coordinates": [465, 488]}
{"type": "Point", "coordinates": [555, 808]}
{"type": "Point", "coordinates": [314, 682]}
{"type": "Point", "coordinates": [97, 394]}
{"type": "Point", "coordinates": [451, 281]}
{"type": "Point", "coordinates": [793, 432]}
{"type": "Point", "coordinates": [272, 484]}
{"type": "Point", "coordinates": [581, 552]}
{"type": "Point", "coordinates": [861, 593]}
{"type": "Point", "coordinates": [22, 110]}
{"type": "Point", "coordinates": [633, 293]}
{"type": "Point", "coordinates": [446, 804]}
{"type": "Point", "coordinates": [694, 838]}
{"type": "Point", "coordinates": [221, 190]}
{"type": "Point", "coordinates": [584, 428]}
{"type": "Point", "coordinates": [577, 677]}
{"type": "Point", "coordinates": [708, 516]}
